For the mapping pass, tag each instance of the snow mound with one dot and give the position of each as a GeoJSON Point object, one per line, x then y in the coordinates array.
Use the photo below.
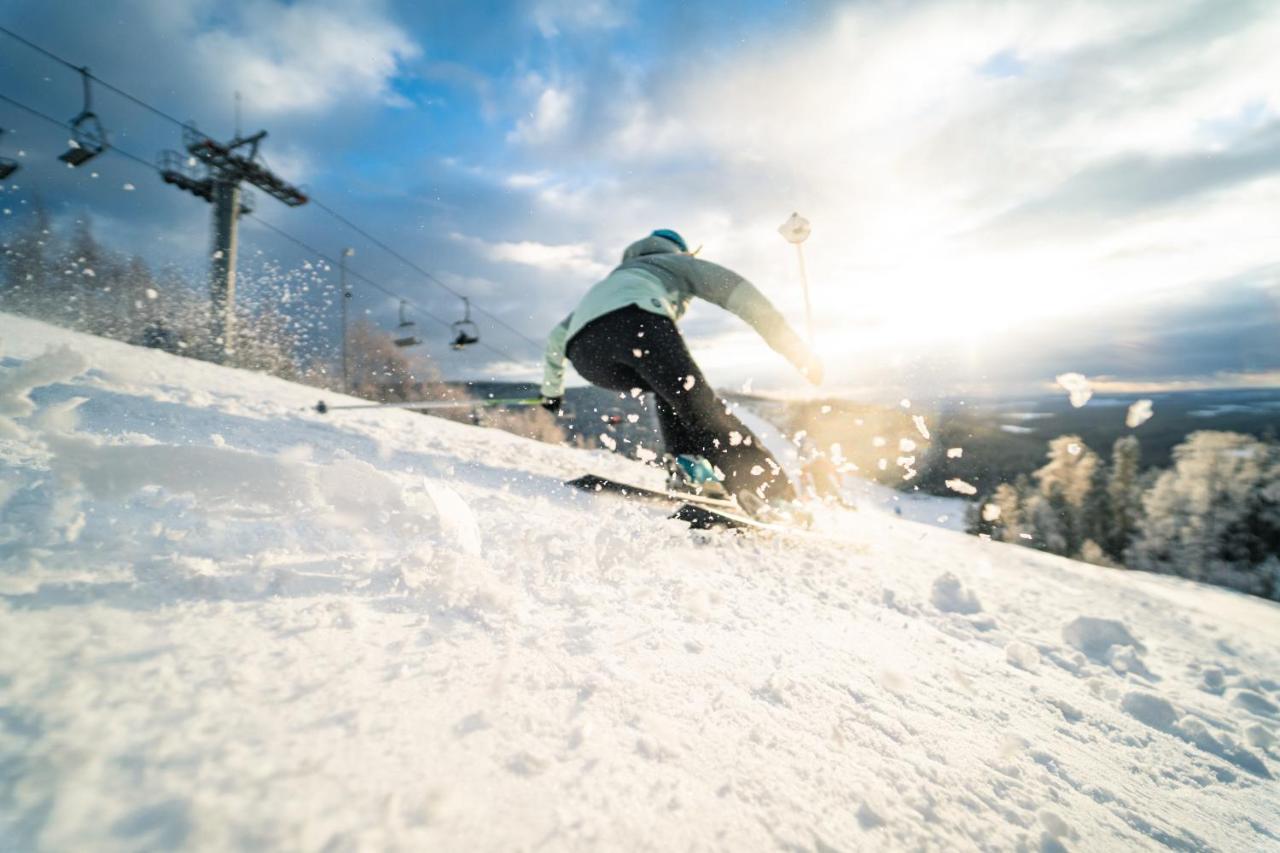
{"type": "Point", "coordinates": [228, 621]}
{"type": "Point", "coordinates": [950, 596]}
{"type": "Point", "coordinates": [1095, 637]}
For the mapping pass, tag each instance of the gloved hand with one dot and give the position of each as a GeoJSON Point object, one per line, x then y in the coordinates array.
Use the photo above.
{"type": "Point", "coordinates": [554, 405]}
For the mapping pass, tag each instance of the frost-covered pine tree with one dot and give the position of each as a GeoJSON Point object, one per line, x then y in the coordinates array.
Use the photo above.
{"type": "Point", "coordinates": [1124, 493]}
{"type": "Point", "coordinates": [1065, 484]}
{"type": "Point", "coordinates": [1214, 515]}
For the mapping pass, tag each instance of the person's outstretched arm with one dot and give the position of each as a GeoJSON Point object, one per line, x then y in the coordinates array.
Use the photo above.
{"type": "Point", "coordinates": [553, 363]}
{"type": "Point", "coordinates": [724, 287]}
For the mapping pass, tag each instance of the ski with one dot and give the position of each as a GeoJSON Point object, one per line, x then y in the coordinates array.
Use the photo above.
{"type": "Point", "coordinates": [699, 512]}
{"type": "Point", "coordinates": [594, 483]}
{"type": "Point", "coordinates": [702, 517]}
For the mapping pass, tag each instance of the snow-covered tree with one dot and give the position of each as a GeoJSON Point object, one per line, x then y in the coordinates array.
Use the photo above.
{"type": "Point", "coordinates": [1124, 493]}
{"type": "Point", "coordinates": [1066, 485]}
{"type": "Point", "coordinates": [1216, 515]}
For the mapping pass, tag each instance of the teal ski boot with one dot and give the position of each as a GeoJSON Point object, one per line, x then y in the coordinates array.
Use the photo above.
{"type": "Point", "coordinates": [694, 474]}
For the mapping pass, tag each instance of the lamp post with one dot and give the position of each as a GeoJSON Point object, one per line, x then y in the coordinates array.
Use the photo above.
{"type": "Point", "coordinates": [795, 231]}
{"type": "Point", "coordinates": [346, 297]}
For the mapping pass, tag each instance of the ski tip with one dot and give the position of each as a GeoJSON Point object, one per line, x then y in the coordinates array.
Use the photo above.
{"type": "Point", "coordinates": [321, 407]}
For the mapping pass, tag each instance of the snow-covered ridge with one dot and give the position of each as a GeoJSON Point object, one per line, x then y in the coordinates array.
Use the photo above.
{"type": "Point", "coordinates": [229, 622]}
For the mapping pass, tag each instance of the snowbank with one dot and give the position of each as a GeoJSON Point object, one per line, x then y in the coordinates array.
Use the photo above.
{"type": "Point", "coordinates": [228, 622]}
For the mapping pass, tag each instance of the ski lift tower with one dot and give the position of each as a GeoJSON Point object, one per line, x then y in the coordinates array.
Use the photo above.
{"type": "Point", "coordinates": [227, 167]}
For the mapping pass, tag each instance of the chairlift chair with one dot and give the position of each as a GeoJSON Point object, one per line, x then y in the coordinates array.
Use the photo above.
{"type": "Point", "coordinates": [7, 164]}
{"type": "Point", "coordinates": [88, 138]}
{"type": "Point", "coordinates": [465, 331]}
{"type": "Point", "coordinates": [406, 323]}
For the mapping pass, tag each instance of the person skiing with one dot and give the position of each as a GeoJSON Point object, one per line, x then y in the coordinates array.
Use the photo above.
{"type": "Point", "coordinates": [622, 336]}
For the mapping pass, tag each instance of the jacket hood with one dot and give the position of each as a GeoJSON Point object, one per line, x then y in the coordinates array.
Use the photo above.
{"type": "Point", "coordinates": [650, 246]}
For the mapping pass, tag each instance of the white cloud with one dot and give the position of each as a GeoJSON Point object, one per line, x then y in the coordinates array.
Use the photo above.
{"type": "Point", "coordinates": [574, 258]}
{"type": "Point", "coordinates": [552, 17]}
{"type": "Point", "coordinates": [551, 115]}
{"type": "Point", "coordinates": [305, 58]}
{"type": "Point", "coordinates": [881, 126]}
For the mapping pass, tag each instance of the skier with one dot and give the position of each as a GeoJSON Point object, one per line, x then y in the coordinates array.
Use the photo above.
{"type": "Point", "coordinates": [623, 336]}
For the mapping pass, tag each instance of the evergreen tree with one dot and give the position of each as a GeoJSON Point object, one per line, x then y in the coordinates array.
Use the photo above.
{"type": "Point", "coordinates": [1124, 491]}
{"type": "Point", "coordinates": [1065, 486]}
{"type": "Point", "coordinates": [1213, 516]}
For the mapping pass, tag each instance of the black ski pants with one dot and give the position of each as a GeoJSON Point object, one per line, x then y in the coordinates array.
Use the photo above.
{"type": "Point", "coordinates": [632, 348]}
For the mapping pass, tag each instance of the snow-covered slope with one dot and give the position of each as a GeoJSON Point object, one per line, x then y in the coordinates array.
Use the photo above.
{"type": "Point", "coordinates": [227, 621]}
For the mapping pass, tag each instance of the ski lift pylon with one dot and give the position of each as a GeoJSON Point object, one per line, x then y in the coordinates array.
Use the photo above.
{"type": "Point", "coordinates": [88, 138]}
{"type": "Point", "coordinates": [465, 331]}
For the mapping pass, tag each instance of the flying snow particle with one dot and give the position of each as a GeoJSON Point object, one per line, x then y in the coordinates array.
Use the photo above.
{"type": "Point", "coordinates": [90, 273]}
{"type": "Point", "coordinates": [1077, 386]}
{"type": "Point", "coordinates": [129, 188]}
{"type": "Point", "coordinates": [217, 256]}
{"type": "Point", "coordinates": [958, 485]}
{"type": "Point", "coordinates": [608, 441]}
{"type": "Point", "coordinates": [878, 441]}
{"type": "Point", "coordinates": [990, 512]}
{"type": "Point", "coordinates": [905, 403]}
{"type": "Point", "coordinates": [826, 410]}
{"type": "Point", "coordinates": [883, 464]}
{"type": "Point", "coordinates": [735, 438]}
{"type": "Point", "coordinates": [906, 445]}
{"type": "Point", "coordinates": [637, 352]}
{"type": "Point", "coordinates": [644, 454]}
{"type": "Point", "coordinates": [918, 420]}
{"type": "Point", "coordinates": [1139, 413]}
{"type": "Point", "coordinates": [636, 392]}
{"type": "Point", "coordinates": [955, 452]}
{"type": "Point", "coordinates": [633, 418]}
{"type": "Point", "coordinates": [689, 382]}
{"type": "Point", "coordinates": [1073, 449]}
{"type": "Point", "coordinates": [756, 470]}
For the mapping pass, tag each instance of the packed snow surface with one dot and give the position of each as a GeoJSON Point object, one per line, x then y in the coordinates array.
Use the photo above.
{"type": "Point", "coordinates": [229, 622]}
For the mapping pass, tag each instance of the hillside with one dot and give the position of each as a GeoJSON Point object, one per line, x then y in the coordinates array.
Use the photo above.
{"type": "Point", "coordinates": [229, 622]}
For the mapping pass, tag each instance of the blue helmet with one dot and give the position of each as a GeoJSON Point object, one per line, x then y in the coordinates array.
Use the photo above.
{"type": "Point", "coordinates": [668, 234]}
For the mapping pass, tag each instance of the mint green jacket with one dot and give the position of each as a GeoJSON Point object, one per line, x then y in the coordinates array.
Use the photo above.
{"type": "Point", "coordinates": [657, 277]}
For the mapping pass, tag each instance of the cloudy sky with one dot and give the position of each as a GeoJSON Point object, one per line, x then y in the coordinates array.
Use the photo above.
{"type": "Point", "coordinates": [999, 191]}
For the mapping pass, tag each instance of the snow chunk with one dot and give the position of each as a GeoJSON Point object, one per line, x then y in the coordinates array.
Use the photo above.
{"type": "Point", "coordinates": [990, 512]}
{"type": "Point", "coordinates": [1255, 703]}
{"type": "Point", "coordinates": [608, 441]}
{"type": "Point", "coordinates": [1095, 637]}
{"type": "Point", "coordinates": [1149, 709]}
{"type": "Point", "coordinates": [955, 452]}
{"type": "Point", "coordinates": [950, 596]}
{"type": "Point", "coordinates": [1139, 413]}
{"type": "Point", "coordinates": [1022, 655]}
{"type": "Point", "coordinates": [918, 420]}
{"type": "Point", "coordinates": [957, 485]}
{"type": "Point", "coordinates": [689, 382]}
{"type": "Point", "coordinates": [56, 365]}
{"type": "Point", "coordinates": [1077, 386]}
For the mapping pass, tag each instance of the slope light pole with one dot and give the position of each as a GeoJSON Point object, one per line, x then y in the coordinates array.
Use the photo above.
{"type": "Point", "coordinates": [795, 231]}
{"type": "Point", "coordinates": [224, 169]}
{"type": "Point", "coordinates": [346, 297]}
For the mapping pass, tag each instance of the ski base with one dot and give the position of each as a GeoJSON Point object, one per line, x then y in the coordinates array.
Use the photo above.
{"type": "Point", "coordinates": [594, 483]}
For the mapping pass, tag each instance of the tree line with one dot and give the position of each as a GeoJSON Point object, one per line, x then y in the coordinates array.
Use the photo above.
{"type": "Point", "coordinates": [1213, 516]}
{"type": "Point", "coordinates": [68, 277]}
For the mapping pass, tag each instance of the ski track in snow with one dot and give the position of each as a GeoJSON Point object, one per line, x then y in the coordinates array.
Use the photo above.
{"type": "Point", "coordinates": [230, 622]}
